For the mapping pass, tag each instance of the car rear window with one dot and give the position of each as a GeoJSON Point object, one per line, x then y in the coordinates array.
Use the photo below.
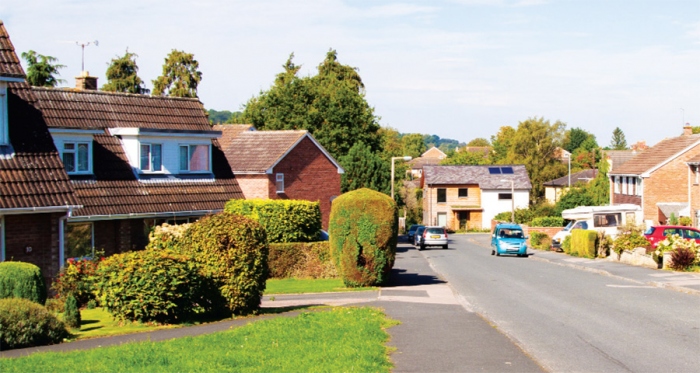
{"type": "Point", "coordinates": [436, 231]}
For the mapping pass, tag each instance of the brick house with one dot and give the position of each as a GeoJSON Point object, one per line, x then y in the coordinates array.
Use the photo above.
{"type": "Point", "coordinates": [282, 165]}
{"type": "Point", "coordinates": [134, 161]}
{"type": "Point", "coordinates": [36, 196]}
{"type": "Point", "coordinates": [662, 180]}
{"type": "Point", "coordinates": [468, 197]}
{"type": "Point", "coordinates": [430, 157]}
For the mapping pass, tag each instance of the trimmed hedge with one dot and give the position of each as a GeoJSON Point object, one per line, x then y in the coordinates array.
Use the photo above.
{"type": "Point", "coordinates": [583, 243]}
{"type": "Point", "coordinates": [547, 221]}
{"type": "Point", "coordinates": [540, 240]}
{"type": "Point", "coordinates": [301, 260]}
{"type": "Point", "coordinates": [284, 220]}
{"type": "Point", "coordinates": [154, 285]}
{"type": "Point", "coordinates": [24, 323]}
{"type": "Point", "coordinates": [22, 280]}
{"type": "Point", "coordinates": [363, 233]}
{"type": "Point", "coordinates": [233, 252]}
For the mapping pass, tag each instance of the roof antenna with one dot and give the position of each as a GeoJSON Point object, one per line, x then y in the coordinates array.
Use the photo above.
{"type": "Point", "coordinates": [83, 44]}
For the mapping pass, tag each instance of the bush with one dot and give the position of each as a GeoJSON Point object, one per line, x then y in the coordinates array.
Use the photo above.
{"type": "Point", "coordinates": [363, 233]}
{"type": "Point", "coordinates": [604, 243]}
{"type": "Point", "coordinates": [284, 220]}
{"type": "Point", "coordinates": [540, 240]}
{"type": "Point", "coordinates": [153, 285]}
{"type": "Point", "coordinates": [22, 280]}
{"type": "Point", "coordinates": [55, 305]}
{"type": "Point", "coordinates": [77, 278]}
{"type": "Point", "coordinates": [682, 258]}
{"type": "Point", "coordinates": [679, 247]}
{"type": "Point", "coordinates": [685, 221]}
{"type": "Point", "coordinates": [301, 260]}
{"type": "Point", "coordinates": [164, 236]}
{"type": "Point", "coordinates": [566, 244]}
{"type": "Point", "coordinates": [547, 221]}
{"type": "Point", "coordinates": [233, 253]}
{"type": "Point", "coordinates": [630, 241]}
{"type": "Point", "coordinates": [583, 243]}
{"type": "Point", "coordinates": [71, 315]}
{"type": "Point", "coordinates": [24, 323]}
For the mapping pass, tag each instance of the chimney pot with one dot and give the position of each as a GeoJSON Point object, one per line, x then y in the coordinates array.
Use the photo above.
{"type": "Point", "coordinates": [86, 82]}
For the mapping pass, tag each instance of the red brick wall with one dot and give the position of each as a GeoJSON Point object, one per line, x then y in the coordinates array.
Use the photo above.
{"type": "Point", "coordinates": [667, 184]}
{"type": "Point", "coordinates": [308, 175]}
{"type": "Point", "coordinates": [623, 198]}
{"type": "Point", "coordinates": [40, 232]}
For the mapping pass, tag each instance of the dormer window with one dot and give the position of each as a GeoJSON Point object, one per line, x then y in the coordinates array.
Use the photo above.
{"type": "Point", "coordinates": [151, 157]}
{"type": "Point", "coordinates": [76, 157]}
{"type": "Point", "coordinates": [195, 158]}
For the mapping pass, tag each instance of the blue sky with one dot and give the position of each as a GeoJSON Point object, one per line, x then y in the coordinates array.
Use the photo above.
{"type": "Point", "coordinates": [460, 69]}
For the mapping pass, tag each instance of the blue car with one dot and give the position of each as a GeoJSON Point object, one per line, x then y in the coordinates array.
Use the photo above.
{"type": "Point", "coordinates": [508, 239]}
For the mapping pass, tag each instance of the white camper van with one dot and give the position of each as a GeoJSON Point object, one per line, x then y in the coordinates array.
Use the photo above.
{"type": "Point", "coordinates": [605, 218]}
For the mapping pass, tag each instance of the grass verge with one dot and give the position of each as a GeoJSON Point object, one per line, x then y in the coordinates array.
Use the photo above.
{"type": "Point", "coordinates": [98, 322]}
{"type": "Point", "coordinates": [301, 286]}
{"type": "Point", "coordinates": [341, 339]}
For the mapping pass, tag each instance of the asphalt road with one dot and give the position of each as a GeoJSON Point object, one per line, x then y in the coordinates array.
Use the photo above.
{"type": "Point", "coordinates": [570, 320]}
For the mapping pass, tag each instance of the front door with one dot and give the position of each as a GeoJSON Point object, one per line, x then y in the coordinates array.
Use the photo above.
{"type": "Point", "coordinates": [463, 218]}
{"type": "Point", "coordinates": [442, 219]}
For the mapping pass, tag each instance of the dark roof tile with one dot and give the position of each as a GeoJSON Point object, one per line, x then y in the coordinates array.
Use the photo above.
{"type": "Point", "coordinates": [480, 175]}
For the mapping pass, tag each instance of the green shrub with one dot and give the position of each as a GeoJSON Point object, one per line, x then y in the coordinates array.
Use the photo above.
{"type": "Point", "coordinates": [22, 280]}
{"type": "Point", "coordinates": [164, 236]}
{"type": "Point", "coordinates": [363, 233]}
{"type": "Point", "coordinates": [547, 221]}
{"type": "Point", "coordinates": [604, 243]}
{"type": "Point", "coordinates": [77, 278]}
{"type": "Point", "coordinates": [24, 323]}
{"type": "Point", "coordinates": [678, 246]}
{"type": "Point", "coordinates": [233, 252]}
{"type": "Point", "coordinates": [583, 243]}
{"type": "Point", "coordinates": [154, 285]}
{"type": "Point", "coordinates": [540, 240]}
{"type": "Point", "coordinates": [566, 244]}
{"type": "Point", "coordinates": [301, 260]}
{"type": "Point", "coordinates": [55, 305]}
{"type": "Point", "coordinates": [284, 220]}
{"type": "Point", "coordinates": [685, 221]}
{"type": "Point", "coordinates": [630, 241]}
{"type": "Point", "coordinates": [71, 314]}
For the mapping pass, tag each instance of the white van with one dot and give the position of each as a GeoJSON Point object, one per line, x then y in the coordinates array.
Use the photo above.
{"type": "Point", "coordinates": [599, 218]}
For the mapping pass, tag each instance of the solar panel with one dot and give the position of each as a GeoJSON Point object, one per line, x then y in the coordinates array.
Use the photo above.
{"type": "Point", "coordinates": [506, 170]}
{"type": "Point", "coordinates": [494, 170]}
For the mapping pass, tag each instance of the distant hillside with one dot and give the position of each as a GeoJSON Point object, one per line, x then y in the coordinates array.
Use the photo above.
{"type": "Point", "coordinates": [445, 145]}
{"type": "Point", "coordinates": [219, 117]}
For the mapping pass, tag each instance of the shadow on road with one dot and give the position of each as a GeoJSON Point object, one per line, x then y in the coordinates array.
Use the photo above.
{"type": "Point", "coordinates": [401, 277]}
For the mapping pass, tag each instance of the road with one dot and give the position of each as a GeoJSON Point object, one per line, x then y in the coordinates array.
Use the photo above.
{"type": "Point", "coordinates": [570, 320]}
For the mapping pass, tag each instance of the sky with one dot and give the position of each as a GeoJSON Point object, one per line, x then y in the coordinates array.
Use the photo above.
{"type": "Point", "coordinates": [459, 69]}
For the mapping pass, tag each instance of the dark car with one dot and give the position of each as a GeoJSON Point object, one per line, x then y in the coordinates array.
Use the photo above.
{"type": "Point", "coordinates": [418, 235]}
{"type": "Point", "coordinates": [658, 233]}
{"type": "Point", "coordinates": [412, 231]}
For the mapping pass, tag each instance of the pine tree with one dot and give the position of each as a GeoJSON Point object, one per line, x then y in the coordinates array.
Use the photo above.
{"type": "Point", "coordinates": [71, 313]}
{"type": "Point", "coordinates": [122, 75]}
{"type": "Point", "coordinates": [364, 169]}
{"type": "Point", "coordinates": [180, 76]}
{"type": "Point", "coordinates": [618, 141]}
{"type": "Point", "coordinates": [41, 69]}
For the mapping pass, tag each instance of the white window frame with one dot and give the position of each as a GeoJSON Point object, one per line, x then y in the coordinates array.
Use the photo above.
{"type": "Point", "coordinates": [617, 184]}
{"type": "Point", "coordinates": [279, 182]}
{"type": "Point", "coordinates": [76, 161]}
{"type": "Point", "coordinates": [150, 168]}
{"type": "Point", "coordinates": [638, 189]}
{"type": "Point", "coordinates": [4, 121]}
{"type": "Point", "coordinates": [189, 147]}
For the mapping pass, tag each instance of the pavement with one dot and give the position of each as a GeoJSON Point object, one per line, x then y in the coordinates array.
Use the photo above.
{"type": "Point", "coordinates": [439, 332]}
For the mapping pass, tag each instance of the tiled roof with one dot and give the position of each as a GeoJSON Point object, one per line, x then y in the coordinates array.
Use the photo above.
{"type": "Point", "coordinates": [656, 155]}
{"type": "Point", "coordinates": [584, 176]}
{"type": "Point", "coordinates": [434, 153]}
{"type": "Point", "coordinates": [72, 108]}
{"type": "Point", "coordinates": [257, 151]}
{"type": "Point", "coordinates": [31, 173]}
{"type": "Point", "coordinates": [619, 157]}
{"type": "Point", "coordinates": [462, 175]}
{"type": "Point", "coordinates": [418, 163]}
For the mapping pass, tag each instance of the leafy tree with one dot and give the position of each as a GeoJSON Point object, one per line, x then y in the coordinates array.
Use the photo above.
{"type": "Point", "coordinates": [696, 130]}
{"type": "Point", "coordinates": [575, 137]}
{"type": "Point", "coordinates": [390, 142]}
{"type": "Point", "coordinates": [223, 116]}
{"type": "Point", "coordinates": [413, 145]}
{"type": "Point", "coordinates": [446, 145]}
{"type": "Point", "coordinates": [122, 75]}
{"type": "Point", "coordinates": [180, 76]}
{"type": "Point", "coordinates": [618, 141]}
{"type": "Point", "coordinates": [479, 141]}
{"type": "Point", "coordinates": [501, 143]}
{"type": "Point", "coordinates": [594, 193]}
{"type": "Point", "coordinates": [41, 70]}
{"type": "Point", "coordinates": [330, 105]}
{"type": "Point", "coordinates": [464, 157]}
{"type": "Point", "coordinates": [364, 169]}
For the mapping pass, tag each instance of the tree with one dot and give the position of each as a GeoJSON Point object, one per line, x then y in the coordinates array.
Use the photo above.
{"type": "Point", "coordinates": [122, 75]}
{"type": "Point", "coordinates": [479, 141]}
{"type": "Point", "coordinates": [364, 169]}
{"type": "Point", "coordinates": [390, 142]}
{"type": "Point", "coordinates": [464, 157]}
{"type": "Point", "coordinates": [180, 76]}
{"type": "Point", "coordinates": [413, 145]}
{"type": "Point", "coordinates": [501, 143]}
{"type": "Point", "coordinates": [330, 105]}
{"type": "Point", "coordinates": [618, 141]}
{"type": "Point", "coordinates": [575, 137]}
{"type": "Point", "coordinates": [41, 70]}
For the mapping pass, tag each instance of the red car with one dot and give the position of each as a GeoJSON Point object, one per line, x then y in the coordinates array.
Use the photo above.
{"type": "Point", "coordinates": [656, 234]}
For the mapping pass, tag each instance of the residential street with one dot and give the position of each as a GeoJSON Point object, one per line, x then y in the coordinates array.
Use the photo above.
{"type": "Point", "coordinates": [574, 320]}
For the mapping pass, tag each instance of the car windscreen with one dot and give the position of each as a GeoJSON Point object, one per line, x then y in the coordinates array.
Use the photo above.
{"type": "Point", "coordinates": [436, 231]}
{"type": "Point", "coordinates": [650, 231]}
{"type": "Point", "coordinates": [511, 233]}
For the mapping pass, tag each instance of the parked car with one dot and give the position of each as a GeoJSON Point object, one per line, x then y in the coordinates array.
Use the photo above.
{"type": "Point", "coordinates": [433, 236]}
{"type": "Point", "coordinates": [418, 235]}
{"type": "Point", "coordinates": [508, 238]}
{"type": "Point", "coordinates": [412, 231]}
{"type": "Point", "coordinates": [656, 234]}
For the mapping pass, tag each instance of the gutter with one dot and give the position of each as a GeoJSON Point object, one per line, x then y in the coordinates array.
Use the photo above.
{"type": "Point", "coordinates": [35, 210]}
{"type": "Point", "coordinates": [141, 215]}
{"type": "Point", "coordinates": [62, 237]}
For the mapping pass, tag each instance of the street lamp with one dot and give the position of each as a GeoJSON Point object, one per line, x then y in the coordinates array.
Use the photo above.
{"type": "Point", "coordinates": [568, 157]}
{"type": "Point", "coordinates": [512, 199]}
{"type": "Point", "coordinates": [405, 158]}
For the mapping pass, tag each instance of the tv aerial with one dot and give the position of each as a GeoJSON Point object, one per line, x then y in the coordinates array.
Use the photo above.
{"type": "Point", "coordinates": [82, 45]}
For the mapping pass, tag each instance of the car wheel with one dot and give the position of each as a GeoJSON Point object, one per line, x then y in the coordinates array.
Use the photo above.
{"type": "Point", "coordinates": [493, 252]}
{"type": "Point", "coordinates": [444, 247]}
{"type": "Point", "coordinates": [498, 254]}
{"type": "Point", "coordinates": [422, 247]}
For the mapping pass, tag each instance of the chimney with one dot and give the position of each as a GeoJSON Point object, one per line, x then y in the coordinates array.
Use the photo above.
{"type": "Point", "coordinates": [687, 129]}
{"type": "Point", "coordinates": [85, 82]}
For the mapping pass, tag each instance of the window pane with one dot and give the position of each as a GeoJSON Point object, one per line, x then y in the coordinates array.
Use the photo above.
{"type": "Point", "coordinates": [280, 182]}
{"type": "Point", "coordinates": [184, 158]}
{"type": "Point", "coordinates": [78, 240]}
{"type": "Point", "coordinates": [463, 192]}
{"type": "Point", "coordinates": [83, 157]}
{"type": "Point", "coordinates": [69, 161]}
{"type": "Point", "coordinates": [145, 157]}
{"type": "Point", "coordinates": [505, 196]}
{"type": "Point", "coordinates": [156, 157]}
{"type": "Point", "coordinates": [442, 195]}
{"type": "Point", "coordinates": [69, 146]}
{"type": "Point", "coordinates": [199, 158]}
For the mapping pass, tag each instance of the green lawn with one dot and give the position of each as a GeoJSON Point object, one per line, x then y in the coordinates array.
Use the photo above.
{"type": "Point", "coordinates": [342, 339]}
{"type": "Point", "coordinates": [300, 286]}
{"type": "Point", "coordinates": [99, 323]}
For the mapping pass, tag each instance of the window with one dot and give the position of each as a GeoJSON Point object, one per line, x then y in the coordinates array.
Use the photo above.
{"type": "Point", "coordinates": [617, 184]}
{"type": "Point", "coordinates": [279, 180]}
{"type": "Point", "coordinates": [631, 181]}
{"type": "Point", "coordinates": [639, 186]}
{"type": "Point", "coordinates": [463, 193]}
{"type": "Point", "coordinates": [79, 242]}
{"type": "Point", "coordinates": [76, 157]}
{"type": "Point", "coordinates": [624, 185]}
{"type": "Point", "coordinates": [505, 196]}
{"type": "Point", "coordinates": [607, 220]}
{"type": "Point", "coordinates": [697, 174]}
{"type": "Point", "coordinates": [441, 195]}
{"type": "Point", "coordinates": [194, 158]}
{"type": "Point", "coordinates": [151, 157]}
{"type": "Point", "coordinates": [4, 127]}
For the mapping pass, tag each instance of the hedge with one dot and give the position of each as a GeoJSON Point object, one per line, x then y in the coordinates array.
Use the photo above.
{"type": "Point", "coordinates": [540, 240]}
{"type": "Point", "coordinates": [24, 323]}
{"type": "Point", "coordinates": [284, 220]}
{"type": "Point", "coordinates": [301, 260]}
{"type": "Point", "coordinates": [22, 280]}
{"type": "Point", "coordinates": [363, 232]}
{"type": "Point", "coordinates": [547, 221]}
{"type": "Point", "coordinates": [583, 243]}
